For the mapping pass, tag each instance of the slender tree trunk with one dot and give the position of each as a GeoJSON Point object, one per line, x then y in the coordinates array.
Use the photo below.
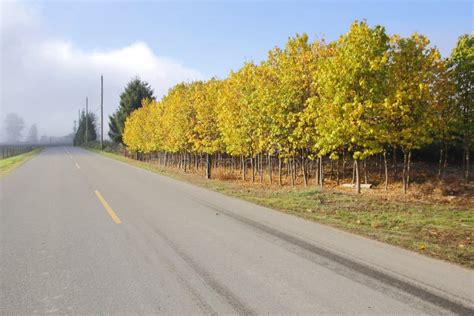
{"type": "Point", "coordinates": [295, 168]}
{"type": "Point", "coordinates": [466, 173]}
{"type": "Point", "coordinates": [303, 166]}
{"type": "Point", "coordinates": [380, 165]}
{"type": "Point", "coordinates": [354, 172]}
{"type": "Point", "coordinates": [386, 169]}
{"type": "Point", "coordinates": [292, 163]}
{"type": "Point", "coordinates": [270, 168]}
{"type": "Point", "coordinates": [185, 158]}
{"type": "Point", "coordinates": [343, 165]}
{"type": "Point", "coordinates": [317, 173]}
{"type": "Point", "coordinates": [440, 162]}
{"type": "Point", "coordinates": [252, 164]}
{"type": "Point", "coordinates": [463, 160]}
{"type": "Point", "coordinates": [331, 174]}
{"type": "Point", "coordinates": [208, 166]}
{"type": "Point", "coordinates": [404, 173]}
{"type": "Point", "coordinates": [261, 167]}
{"type": "Point", "coordinates": [408, 169]}
{"type": "Point", "coordinates": [394, 163]}
{"type": "Point", "coordinates": [366, 180]}
{"type": "Point", "coordinates": [445, 164]}
{"type": "Point", "coordinates": [357, 178]}
{"type": "Point", "coordinates": [244, 167]}
{"type": "Point", "coordinates": [321, 171]}
{"type": "Point", "coordinates": [279, 170]}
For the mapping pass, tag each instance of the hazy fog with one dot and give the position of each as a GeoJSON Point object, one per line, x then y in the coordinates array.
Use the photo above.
{"type": "Point", "coordinates": [45, 80]}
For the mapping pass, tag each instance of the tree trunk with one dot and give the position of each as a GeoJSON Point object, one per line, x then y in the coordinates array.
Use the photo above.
{"type": "Point", "coordinates": [185, 162]}
{"type": "Point", "coordinates": [380, 165]}
{"type": "Point", "coordinates": [317, 174]}
{"type": "Point", "coordinates": [466, 166]}
{"type": "Point", "coordinates": [408, 169]}
{"type": "Point", "coordinates": [337, 171]}
{"type": "Point", "coordinates": [440, 161]}
{"type": "Point", "coordinates": [331, 174]}
{"type": "Point", "coordinates": [343, 165]}
{"type": "Point", "coordinates": [252, 164]}
{"type": "Point", "coordinates": [404, 173]}
{"type": "Point", "coordinates": [270, 168]}
{"type": "Point", "coordinates": [357, 179]}
{"type": "Point", "coordinates": [394, 163]}
{"type": "Point", "coordinates": [260, 169]}
{"type": "Point", "coordinates": [244, 167]}
{"type": "Point", "coordinates": [303, 166]}
{"type": "Point", "coordinates": [445, 164]}
{"type": "Point", "coordinates": [279, 170]}
{"type": "Point", "coordinates": [386, 169]}
{"type": "Point", "coordinates": [208, 166]}
{"type": "Point", "coordinates": [292, 163]}
{"type": "Point", "coordinates": [466, 173]}
{"type": "Point", "coordinates": [353, 172]}
{"type": "Point", "coordinates": [366, 180]}
{"type": "Point", "coordinates": [321, 172]}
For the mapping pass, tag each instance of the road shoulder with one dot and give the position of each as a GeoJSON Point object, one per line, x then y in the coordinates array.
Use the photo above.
{"type": "Point", "coordinates": [9, 164]}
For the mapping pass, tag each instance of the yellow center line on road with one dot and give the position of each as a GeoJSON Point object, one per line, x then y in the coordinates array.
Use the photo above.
{"type": "Point", "coordinates": [107, 207]}
{"type": "Point", "coordinates": [77, 166]}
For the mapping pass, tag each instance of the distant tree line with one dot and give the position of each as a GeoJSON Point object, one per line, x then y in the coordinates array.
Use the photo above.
{"type": "Point", "coordinates": [13, 130]}
{"type": "Point", "coordinates": [86, 129]}
{"type": "Point", "coordinates": [366, 96]}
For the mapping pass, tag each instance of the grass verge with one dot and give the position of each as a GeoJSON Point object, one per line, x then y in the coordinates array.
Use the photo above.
{"type": "Point", "coordinates": [438, 230]}
{"type": "Point", "coordinates": [8, 164]}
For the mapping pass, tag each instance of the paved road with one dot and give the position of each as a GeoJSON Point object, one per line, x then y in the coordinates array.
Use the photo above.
{"type": "Point", "coordinates": [84, 234]}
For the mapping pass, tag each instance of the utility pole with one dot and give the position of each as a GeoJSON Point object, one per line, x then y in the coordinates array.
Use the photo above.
{"type": "Point", "coordinates": [87, 116]}
{"type": "Point", "coordinates": [101, 112]}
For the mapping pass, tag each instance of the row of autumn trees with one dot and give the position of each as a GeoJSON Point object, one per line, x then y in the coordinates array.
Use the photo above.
{"type": "Point", "coordinates": [362, 95]}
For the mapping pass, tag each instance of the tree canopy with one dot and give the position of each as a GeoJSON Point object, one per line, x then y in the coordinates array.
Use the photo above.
{"type": "Point", "coordinates": [130, 99]}
{"type": "Point", "coordinates": [13, 127]}
{"type": "Point", "coordinates": [361, 95]}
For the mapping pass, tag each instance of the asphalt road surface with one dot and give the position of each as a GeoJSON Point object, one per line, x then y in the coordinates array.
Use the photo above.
{"type": "Point", "coordinates": [84, 234]}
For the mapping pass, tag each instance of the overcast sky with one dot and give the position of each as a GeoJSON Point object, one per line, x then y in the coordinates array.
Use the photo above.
{"type": "Point", "coordinates": [53, 53]}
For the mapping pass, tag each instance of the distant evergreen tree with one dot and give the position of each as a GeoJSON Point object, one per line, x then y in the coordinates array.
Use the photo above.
{"type": "Point", "coordinates": [80, 137]}
{"type": "Point", "coordinates": [130, 100]}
